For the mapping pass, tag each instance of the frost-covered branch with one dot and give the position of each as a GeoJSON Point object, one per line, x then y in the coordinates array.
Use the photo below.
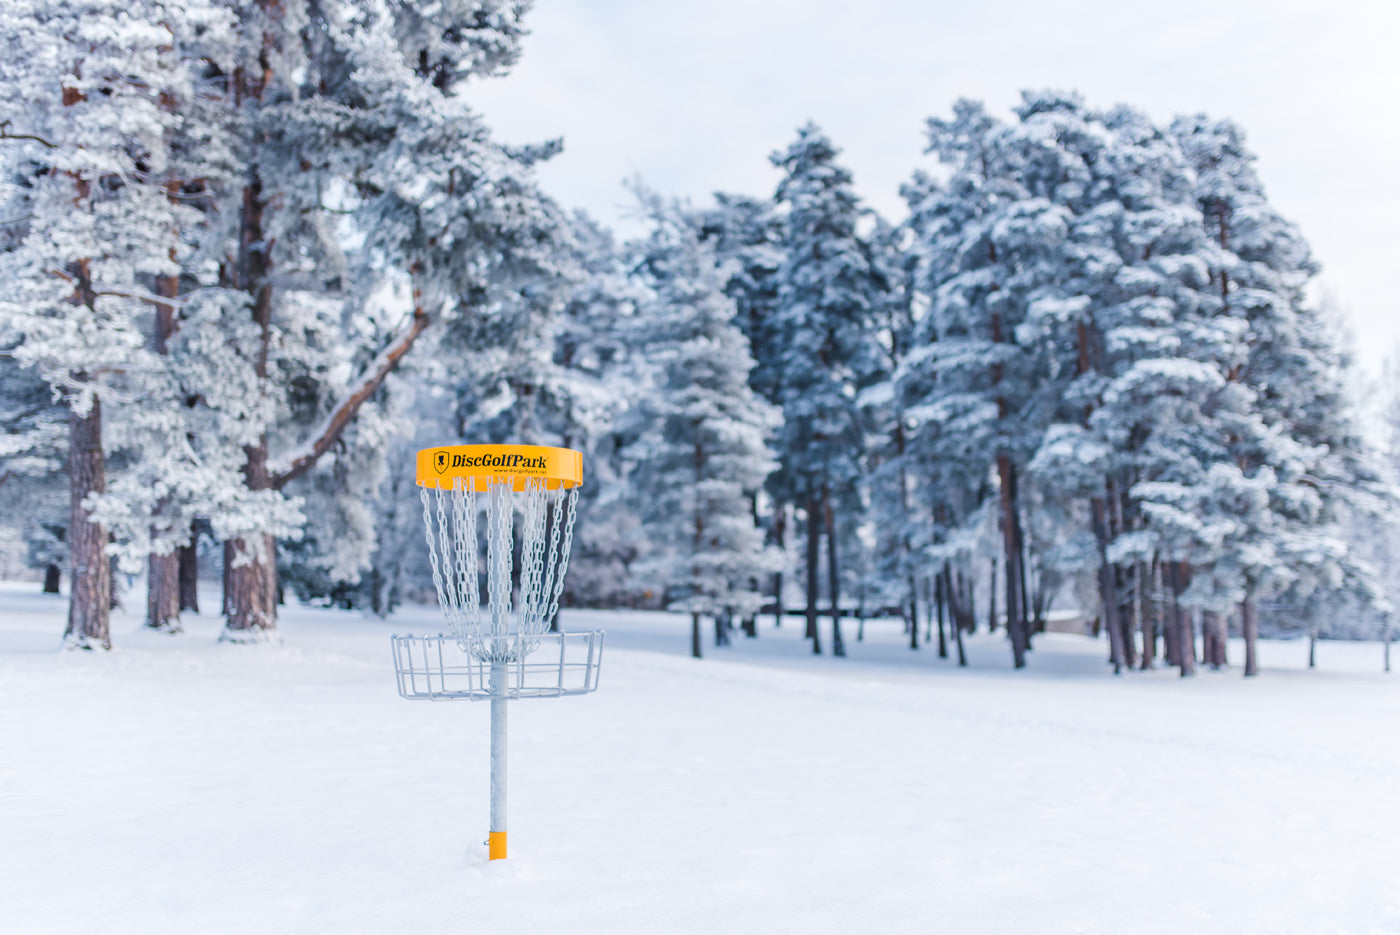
{"type": "Point", "coordinates": [304, 458]}
{"type": "Point", "coordinates": [5, 134]}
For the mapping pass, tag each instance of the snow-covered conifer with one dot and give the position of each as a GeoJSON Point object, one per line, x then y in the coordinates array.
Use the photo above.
{"type": "Point", "coordinates": [704, 449]}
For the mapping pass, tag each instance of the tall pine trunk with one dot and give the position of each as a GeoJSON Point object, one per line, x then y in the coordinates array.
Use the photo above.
{"type": "Point", "coordinates": [992, 602]}
{"type": "Point", "coordinates": [958, 626]}
{"type": "Point", "coordinates": [814, 543]}
{"type": "Point", "coordinates": [163, 592]}
{"type": "Point", "coordinates": [914, 611]}
{"type": "Point", "coordinates": [1148, 608]}
{"type": "Point", "coordinates": [1185, 635]}
{"type": "Point", "coordinates": [833, 573]}
{"type": "Point", "coordinates": [943, 582]}
{"type": "Point", "coordinates": [90, 591]}
{"type": "Point", "coordinates": [188, 558]}
{"type": "Point", "coordinates": [780, 535]}
{"type": "Point", "coordinates": [695, 636]}
{"type": "Point", "coordinates": [1015, 619]}
{"type": "Point", "coordinates": [1108, 591]}
{"type": "Point", "coordinates": [1249, 629]}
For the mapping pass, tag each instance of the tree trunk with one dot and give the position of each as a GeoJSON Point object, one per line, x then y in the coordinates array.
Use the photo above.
{"type": "Point", "coordinates": [945, 582]}
{"type": "Point", "coordinates": [750, 626]}
{"type": "Point", "coordinates": [1021, 562]}
{"type": "Point", "coordinates": [51, 578]}
{"type": "Point", "coordinates": [1312, 647]}
{"type": "Point", "coordinates": [1015, 620]}
{"type": "Point", "coordinates": [814, 544]}
{"type": "Point", "coordinates": [252, 584]}
{"type": "Point", "coordinates": [1108, 591]}
{"type": "Point", "coordinates": [187, 557]}
{"type": "Point", "coordinates": [914, 612]}
{"type": "Point", "coordinates": [1185, 635]}
{"type": "Point", "coordinates": [90, 589]}
{"type": "Point", "coordinates": [780, 534]}
{"type": "Point", "coordinates": [163, 593]}
{"type": "Point", "coordinates": [721, 629]}
{"type": "Point", "coordinates": [833, 574]}
{"type": "Point", "coordinates": [695, 636]}
{"type": "Point", "coordinates": [1128, 615]}
{"type": "Point", "coordinates": [992, 604]}
{"type": "Point", "coordinates": [1249, 629]}
{"type": "Point", "coordinates": [958, 613]}
{"type": "Point", "coordinates": [1147, 615]}
{"type": "Point", "coordinates": [958, 630]}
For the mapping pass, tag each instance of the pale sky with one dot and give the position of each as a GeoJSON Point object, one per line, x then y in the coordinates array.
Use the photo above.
{"type": "Point", "coordinates": [694, 96]}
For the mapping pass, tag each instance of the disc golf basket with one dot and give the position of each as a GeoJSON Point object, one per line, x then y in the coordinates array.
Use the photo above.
{"type": "Point", "coordinates": [519, 499]}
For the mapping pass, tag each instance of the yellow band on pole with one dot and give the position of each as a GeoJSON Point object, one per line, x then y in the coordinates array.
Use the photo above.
{"type": "Point", "coordinates": [496, 845]}
{"type": "Point", "coordinates": [476, 464]}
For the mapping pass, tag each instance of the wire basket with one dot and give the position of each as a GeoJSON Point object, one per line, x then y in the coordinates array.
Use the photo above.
{"type": "Point", "coordinates": [446, 668]}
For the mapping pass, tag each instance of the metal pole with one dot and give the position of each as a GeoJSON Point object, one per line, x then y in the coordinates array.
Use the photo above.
{"type": "Point", "coordinates": [496, 842]}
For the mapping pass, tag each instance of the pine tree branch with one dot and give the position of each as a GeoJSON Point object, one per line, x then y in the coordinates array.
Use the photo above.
{"type": "Point", "coordinates": [305, 457]}
{"type": "Point", "coordinates": [5, 134]}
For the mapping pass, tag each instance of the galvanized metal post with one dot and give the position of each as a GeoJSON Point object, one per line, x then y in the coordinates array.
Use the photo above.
{"type": "Point", "coordinates": [496, 842]}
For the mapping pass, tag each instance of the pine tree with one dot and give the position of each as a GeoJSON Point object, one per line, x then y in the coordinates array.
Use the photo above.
{"type": "Point", "coordinates": [825, 299]}
{"type": "Point", "coordinates": [87, 118]}
{"type": "Point", "coordinates": [703, 450]}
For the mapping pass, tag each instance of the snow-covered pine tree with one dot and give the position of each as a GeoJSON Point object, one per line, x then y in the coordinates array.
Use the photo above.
{"type": "Point", "coordinates": [1324, 474]}
{"type": "Point", "coordinates": [993, 242]}
{"type": "Point", "coordinates": [87, 119]}
{"type": "Point", "coordinates": [357, 132]}
{"type": "Point", "coordinates": [704, 448]}
{"type": "Point", "coordinates": [825, 296]}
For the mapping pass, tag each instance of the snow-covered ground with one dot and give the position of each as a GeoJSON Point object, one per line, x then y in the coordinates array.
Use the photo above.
{"type": "Point", "coordinates": [176, 785]}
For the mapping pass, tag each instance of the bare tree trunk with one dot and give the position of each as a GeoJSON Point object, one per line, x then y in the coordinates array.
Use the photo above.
{"type": "Point", "coordinates": [1185, 635]}
{"type": "Point", "coordinates": [163, 593]}
{"type": "Point", "coordinates": [814, 544]}
{"type": "Point", "coordinates": [51, 578]}
{"type": "Point", "coordinates": [252, 583]}
{"type": "Point", "coordinates": [942, 582]}
{"type": "Point", "coordinates": [695, 636]}
{"type": "Point", "coordinates": [1015, 619]}
{"type": "Point", "coordinates": [992, 604]}
{"type": "Point", "coordinates": [187, 556]}
{"type": "Point", "coordinates": [1312, 647]}
{"type": "Point", "coordinates": [958, 613]}
{"type": "Point", "coordinates": [780, 534]}
{"type": "Point", "coordinates": [833, 573]}
{"type": "Point", "coordinates": [1249, 628]}
{"type": "Point", "coordinates": [1148, 614]}
{"type": "Point", "coordinates": [1108, 591]}
{"type": "Point", "coordinates": [914, 611]}
{"type": "Point", "coordinates": [90, 591]}
{"type": "Point", "coordinates": [1128, 616]}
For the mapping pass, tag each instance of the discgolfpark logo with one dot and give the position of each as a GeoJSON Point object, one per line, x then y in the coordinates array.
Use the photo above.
{"type": "Point", "coordinates": [442, 460]}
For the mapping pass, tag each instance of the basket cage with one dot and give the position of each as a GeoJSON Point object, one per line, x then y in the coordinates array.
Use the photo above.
{"type": "Point", "coordinates": [440, 668]}
{"type": "Point", "coordinates": [528, 531]}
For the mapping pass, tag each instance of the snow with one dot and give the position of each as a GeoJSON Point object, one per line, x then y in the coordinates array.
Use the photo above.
{"type": "Point", "coordinates": [179, 785]}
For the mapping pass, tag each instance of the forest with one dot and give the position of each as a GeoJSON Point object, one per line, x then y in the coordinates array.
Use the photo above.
{"type": "Point", "coordinates": [257, 253]}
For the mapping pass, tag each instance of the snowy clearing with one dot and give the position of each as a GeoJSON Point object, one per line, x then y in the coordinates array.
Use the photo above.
{"type": "Point", "coordinates": [177, 785]}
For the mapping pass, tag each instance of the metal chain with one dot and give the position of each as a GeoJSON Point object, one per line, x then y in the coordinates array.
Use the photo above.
{"type": "Point", "coordinates": [532, 558]}
{"type": "Point", "coordinates": [563, 557]}
{"type": "Point", "coordinates": [556, 511]}
{"type": "Point", "coordinates": [432, 552]}
{"type": "Point", "coordinates": [498, 553]}
{"type": "Point", "coordinates": [449, 584]}
{"type": "Point", "coordinates": [464, 534]}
